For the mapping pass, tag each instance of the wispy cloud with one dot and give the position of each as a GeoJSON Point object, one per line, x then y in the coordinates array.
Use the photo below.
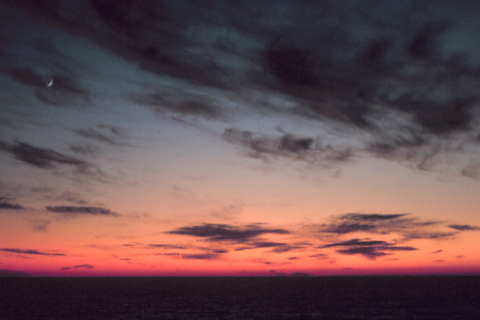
{"type": "Point", "coordinates": [370, 249]}
{"type": "Point", "coordinates": [92, 134]}
{"type": "Point", "coordinates": [472, 169]}
{"type": "Point", "coordinates": [406, 225]}
{"type": "Point", "coordinates": [81, 266]}
{"type": "Point", "coordinates": [42, 157]}
{"type": "Point", "coordinates": [373, 252]}
{"type": "Point", "coordinates": [31, 252]}
{"type": "Point", "coordinates": [165, 246]}
{"type": "Point", "coordinates": [74, 211]}
{"type": "Point", "coordinates": [26, 76]}
{"type": "Point", "coordinates": [192, 104]}
{"type": "Point", "coordinates": [288, 145]}
{"type": "Point", "coordinates": [192, 256]}
{"type": "Point", "coordinates": [5, 204]}
{"type": "Point", "coordinates": [224, 232]}
{"type": "Point", "coordinates": [201, 256]}
{"type": "Point", "coordinates": [40, 225]}
{"type": "Point", "coordinates": [371, 216]}
{"type": "Point", "coordinates": [82, 148]}
{"type": "Point", "coordinates": [398, 228]}
{"type": "Point", "coordinates": [356, 242]}
{"type": "Point", "coordinates": [464, 227]}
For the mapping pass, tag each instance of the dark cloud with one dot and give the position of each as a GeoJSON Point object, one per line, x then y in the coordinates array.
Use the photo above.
{"type": "Point", "coordinates": [373, 251]}
{"type": "Point", "coordinates": [373, 56]}
{"type": "Point", "coordinates": [422, 45]}
{"type": "Point", "coordinates": [344, 228]}
{"type": "Point", "coordinates": [368, 252]}
{"type": "Point", "coordinates": [195, 108]}
{"type": "Point", "coordinates": [202, 256]}
{"type": "Point", "coordinates": [191, 105]}
{"type": "Point", "coordinates": [82, 148]}
{"type": "Point", "coordinates": [31, 252]}
{"type": "Point", "coordinates": [335, 88]}
{"type": "Point", "coordinates": [131, 244]}
{"type": "Point", "coordinates": [292, 66]}
{"type": "Point", "coordinates": [464, 227]}
{"type": "Point", "coordinates": [94, 211]}
{"type": "Point", "coordinates": [42, 157]}
{"type": "Point", "coordinates": [72, 197]}
{"type": "Point", "coordinates": [83, 266]}
{"type": "Point", "coordinates": [169, 254]}
{"type": "Point", "coordinates": [427, 234]}
{"type": "Point", "coordinates": [97, 136]}
{"type": "Point", "coordinates": [293, 144]}
{"type": "Point", "coordinates": [403, 228]}
{"type": "Point", "coordinates": [220, 251]}
{"type": "Point", "coordinates": [223, 232]}
{"type": "Point", "coordinates": [438, 251]}
{"type": "Point", "coordinates": [394, 80]}
{"type": "Point", "coordinates": [287, 145]}
{"type": "Point", "coordinates": [26, 76]}
{"type": "Point", "coordinates": [371, 217]}
{"type": "Point", "coordinates": [191, 256]}
{"type": "Point", "coordinates": [88, 266]}
{"type": "Point", "coordinates": [355, 242]}
{"type": "Point", "coordinates": [369, 248]}
{"type": "Point", "coordinates": [409, 227]}
{"type": "Point", "coordinates": [164, 246]}
{"type": "Point", "coordinates": [5, 204]}
{"type": "Point", "coordinates": [357, 222]}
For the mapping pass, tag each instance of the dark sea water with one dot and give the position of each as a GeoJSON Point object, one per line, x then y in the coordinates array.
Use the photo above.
{"type": "Point", "coordinates": [366, 297]}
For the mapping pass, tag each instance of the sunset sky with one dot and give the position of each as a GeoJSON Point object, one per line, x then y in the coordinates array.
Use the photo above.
{"type": "Point", "coordinates": [144, 138]}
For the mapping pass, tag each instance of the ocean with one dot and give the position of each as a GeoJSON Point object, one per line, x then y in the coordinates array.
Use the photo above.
{"type": "Point", "coordinates": [353, 297]}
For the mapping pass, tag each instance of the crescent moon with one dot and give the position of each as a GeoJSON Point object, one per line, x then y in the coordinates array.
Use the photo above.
{"type": "Point", "coordinates": [50, 83]}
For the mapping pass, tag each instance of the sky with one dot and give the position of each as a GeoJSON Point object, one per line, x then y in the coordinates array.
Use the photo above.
{"type": "Point", "coordinates": [239, 138]}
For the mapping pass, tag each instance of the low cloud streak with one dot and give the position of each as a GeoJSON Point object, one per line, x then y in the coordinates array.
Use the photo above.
{"type": "Point", "coordinates": [223, 232]}
{"type": "Point", "coordinates": [73, 211]}
{"type": "Point", "coordinates": [31, 252]}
